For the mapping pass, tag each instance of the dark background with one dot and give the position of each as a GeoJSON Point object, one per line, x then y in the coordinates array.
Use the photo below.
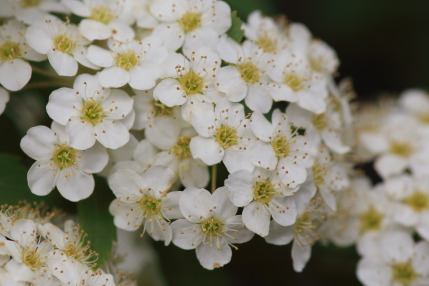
{"type": "Point", "coordinates": [384, 47]}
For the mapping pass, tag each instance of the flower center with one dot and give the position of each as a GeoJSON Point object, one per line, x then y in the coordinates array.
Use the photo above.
{"type": "Point", "coordinates": [295, 82]}
{"type": "Point", "coordinates": [150, 205]}
{"type": "Point", "coordinates": [249, 72]}
{"type": "Point", "coordinates": [9, 51]}
{"type": "Point", "coordinates": [319, 173]}
{"type": "Point", "coordinates": [191, 83]}
{"type": "Point", "coordinates": [306, 227]}
{"type": "Point", "coordinates": [226, 136]}
{"type": "Point", "coordinates": [320, 121]}
{"type": "Point", "coordinates": [418, 201]}
{"type": "Point", "coordinates": [424, 118]}
{"type": "Point", "coordinates": [72, 251]}
{"type": "Point", "coordinates": [181, 150]}
{"type": "Point", "coordinates": [268, 44]}
{"type": "Point", "coordinates": [64, 156]}
{"type": "Point", "coordinates": [263, 191]}
{"type": "Point", "coordinates": [403, 273]}
{"type": "Point", "coordinates": [64, 44]}
{"type": "Point", "coordinates": [190, 21]}
{"type": "Point", "coordinates": [102, 14]}
{"type": "Point", "coordinates": [32, 259]}
{"type": "Point", "coordinates": [160, 109]}
{"type": "Point", "coordinates": [126, 61]}
{"type": "Point", "coordinates": [280, 146]}
{"type": "Point", "coordinates": [401, 149]}
{"type": "Point", "coordinates": [29, 3]}
{"type": "Point", "coordinates": [92, 112]}
{"type": "Point", "coordinates": [370, 220]}
{"type": "Point", "coordinates": [212, 227]}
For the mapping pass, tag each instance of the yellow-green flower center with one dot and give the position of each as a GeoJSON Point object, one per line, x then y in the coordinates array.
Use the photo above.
{"type": "Point", "coordinates": [9, 51]}
{"type": "Point", "coordinates": [320, 121]}
{"type": "Point", "coordinates": [319, 173]}
{"type": "Point", "coordinates": [403, 273]}
{"type": "Point", "coordinates": [92, 112]}
{"type": "Point", "coordinates": [226, 136]}
{"type": "Point", "coordinates": [126, 61]}
{"type": "Point", "coordinates": [64, 156]}
{"type": "Point", "coordinates": [295, 82]}
{"type": "Point", "coordinates": [249, 72]}
{"type": "Point", "coordinates": [29, 3]}
{"type": "Point", "coordinates": [150, 205]}
{"type": "Point", "coordinates": [191, 83]}
{"type": "Point", "coordinates": [263, 191]}
{"type": "Point", "coordinates": [418, 201]}
{"type": "Point", "coordinates": [102, 14]}
{"type": "Point", "coordinates": [424, 118]}
{"type": "Point", "coordinates": [64, 44]}
{"type": "Point", "coordinates": [280, 146]}
{"type": "Point", "coordinates": [370, 220]}
{"type": "Point", "coordinates": [212, 227]}
{"type": "Point", "coordinates": [72, 251]}
{"type": "Point", "coordinates": [402, 149]}
{"type": "Point", "coordinates": [31, 259]}
{"type": "Point", "coordinates": [160, 109]}
{"type": "Point", "coordinates": [181, 150]}
{"type": "Point", "coordinates": [190, 21]}
{"type": "Point", "coordinates": [268, 44]}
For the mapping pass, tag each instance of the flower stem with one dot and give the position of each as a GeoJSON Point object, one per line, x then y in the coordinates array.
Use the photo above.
{"type": "Point", "coordinates": [214, 174]}
{"type": "Point", "coordinates": [42, 84]}
{"type": "Point", "coordinates": [44, 72]}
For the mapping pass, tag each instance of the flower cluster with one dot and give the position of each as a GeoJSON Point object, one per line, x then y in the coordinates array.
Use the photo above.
{"type": "Point", "coordinates": [385, 220]}
{"type": "Point", "coordinates": [163, 93]}
{"type": "Point", "coordinates": [35, 251]}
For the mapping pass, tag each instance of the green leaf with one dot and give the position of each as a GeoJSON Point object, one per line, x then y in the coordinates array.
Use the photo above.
{"type": "Point", "coordinates": [97, 222]}
{"type": "Point", "coordinates": [13, 181]}
{"type": "Point", "coordinates": [236, 32]}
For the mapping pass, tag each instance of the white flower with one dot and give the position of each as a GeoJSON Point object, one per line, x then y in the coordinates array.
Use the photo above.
{"type": "Point", "coordinates": [91, 113]}
{"type": "Point", "coordinates": [416, 102]}
{"type": "Point", "coordinates": [15, 72]}
{"type": "Point", "coordinates": [263, 196]}
{"type": "Point", "coordinates": [322, 57]}
{"type": "Point", "coordinates": [58, 164]}
{"type": "Point", "coordinates": [191, 23]}
{"type": "Point", "coordinates": [224, 135]}
{"type": "Point", "coordinates": [410, 195]}
{"type": "Point", "coordinates": [266, 33]}
{"type": "Point", "coordinates": [297, 82]}
{"type": "Point", "coordinates": [189, 82]}
{"type": "Point", "coordinates": [401, 262]}
{"type": "Point", "coordinates": [145, 200]}
{"type": "Point", "coordinates": [138, 63]}
{"type": "Point", "coordinates": [211, 226]}
{"type": "Point", "coordinates": [246, 76]}
{"type": "Point", "coordinates": [284, 145]}
{"type": "Point", "coordinates": [28, 251]}
{"type": "Point", "coordinates": [103, 19]}
{"type": "Point", "coordinates": [61, 42]}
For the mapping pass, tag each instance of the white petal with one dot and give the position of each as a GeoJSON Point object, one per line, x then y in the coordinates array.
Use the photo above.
{"type": "Point", "coordinates": [114, 77]}
{"type": "Point", "coordinates": [261, 127]}
{"type": "Point", "coordinates": [206, 149]}
{"type": "Point", "coordinates": [39, 142]}
{"type": "Point", "coordinates": [93, 30]}
{"type": "Point", "coordinates": [300, 256]}
{"type": "Point", "coordinates": [195, 204]}
{"type": "Point", "coordinates": [224, 207]}
{"type": "Point", "coordinates": [81, 134]}
{"type": "Point", "coordinates": [118, 105]}
{"type": "Point", "coordinates": [240, 186]}
{"type": "Point", "coordinates": [283, 210]}
{"type": "Point", "coordinates": [279, 235]}
{"type": "Point", "coordinates": [389, 165]}
{"type": "Point", "coordinates": [212, 257]}
{"type": "Point", "coordinates": [144, 77]}
{"type": "Point", "coordinates": [112, 134]}
{"type": "Point", "coordinates": [60, 105]}
{"type": "Point", "coordinates": [38, 39]}
{"type": "Point", "coordinates": [397, 246]}
{"type": "Point", "coordinates": [263, 155]}
{"type": "Point", "coordinates": [41, 178]}
{"type": "Point", "coordinates": [63, 64]}
{"type": "Point", "coordinates": [194, 173]}
{"type": "Point", "coordinates": [169, 92]}
{"type": "Point", "coordinates": [238, 160]}
{"type": "Point", "coordinates": [187, 235]}
{"type": "Point", "coordinates": [93, 160]}
{"type": "Point", "coordinates": [170, 205]}
{"type": "Point", "coordinates": [333, 141]}
{"type": "Point", "coordinates": [158, 179]}
{"type": "Point", "coordinates": [126, 216]}
{"type": "Point", "coordinates": [229, 81]}
{"type": "Point", "coordinates": [258, 99]}
{"type": "Point", "coordinates": [256, 218]}
{"type": "Point", "coordinates": [163, 132]}
{"type": "Point", "coordinates": [15, 74]}
{"type": "Point", "coordinates": [99, 56]}
{"type": "Point", "coordinates": [75, 185]}
{"type": "Point", "coordinates": [126, 185]}
{"type": "Point", "coordinates": [421, 258]}
{"type": "Point", "coordinates": [373, 273]}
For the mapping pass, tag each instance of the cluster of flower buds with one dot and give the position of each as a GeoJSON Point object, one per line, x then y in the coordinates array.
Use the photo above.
{"type": "Point", "coordinates": [389, 222]}
{"type": "Point", "coordinates": [35, 251]}
{"type": "Point", "coordinates": [165, 93]}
